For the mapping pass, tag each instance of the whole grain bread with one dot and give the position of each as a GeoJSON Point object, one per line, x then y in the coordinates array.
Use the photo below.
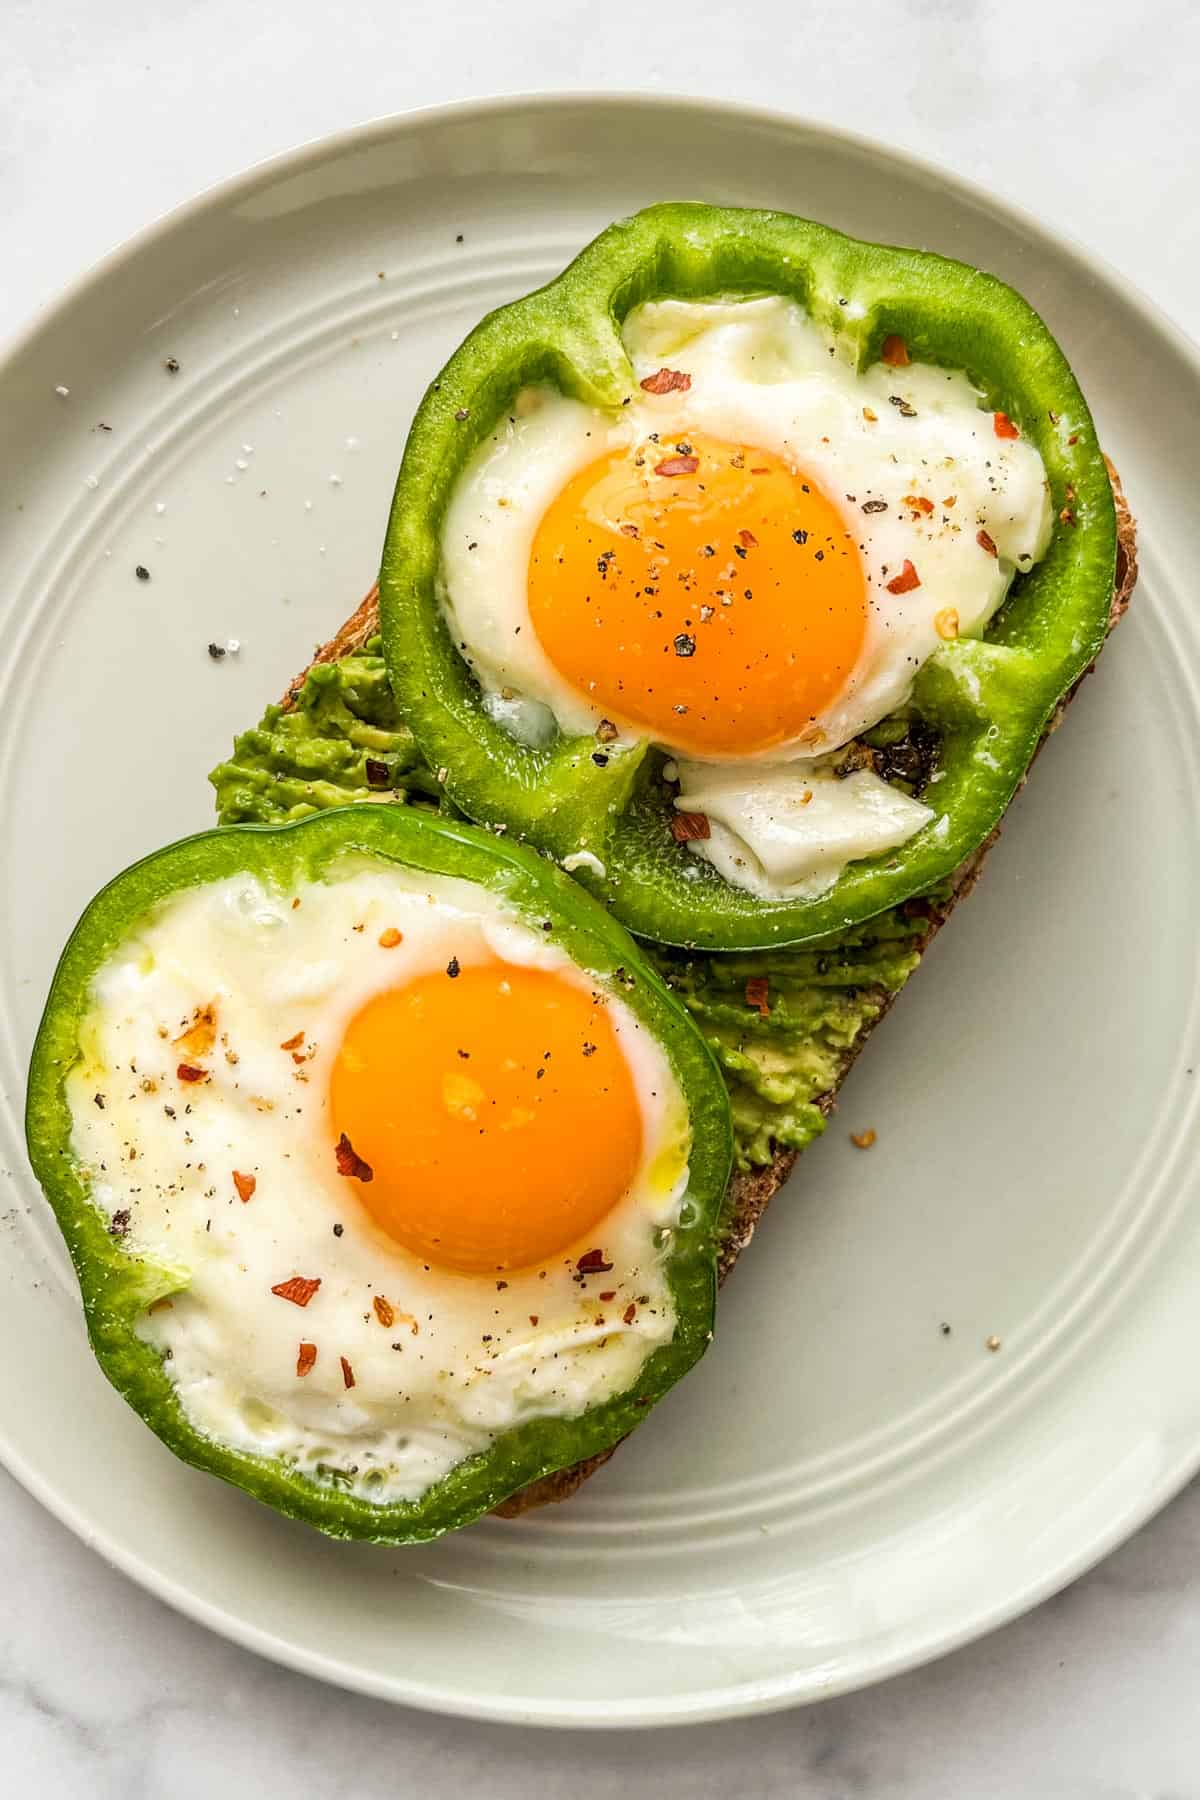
{"type": "Point", "coordinates": [751, 1191]}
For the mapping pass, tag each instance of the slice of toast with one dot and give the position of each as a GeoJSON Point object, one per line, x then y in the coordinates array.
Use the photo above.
{"type": "Point", "coordinates": [751, 1190]}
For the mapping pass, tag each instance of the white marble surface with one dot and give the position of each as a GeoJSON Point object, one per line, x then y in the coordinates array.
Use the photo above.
{"type": "Point", "coordinates": [110, 113]}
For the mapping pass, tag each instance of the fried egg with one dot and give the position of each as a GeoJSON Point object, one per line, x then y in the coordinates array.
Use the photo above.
{"type": "Point", "coordinates": [415, 1169]}
{"type": "Point", "coordinates": [746, 566]}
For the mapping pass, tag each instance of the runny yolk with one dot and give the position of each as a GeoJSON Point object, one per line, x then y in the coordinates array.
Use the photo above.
{"type": "Point", "coordinates": [496, 1110]}
{"type": "Point", "coordinates": [703, 591]}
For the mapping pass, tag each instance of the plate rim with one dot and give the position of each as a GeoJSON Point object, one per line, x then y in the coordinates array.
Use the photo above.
{"type": "Point", "coordinates": [756, 1696]}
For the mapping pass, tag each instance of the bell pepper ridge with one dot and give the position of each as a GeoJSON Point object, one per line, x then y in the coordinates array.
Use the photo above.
{"type": "Point", "coordinates": [120, 1283]}
{"type": "Point", "coordinates": [988, 699]}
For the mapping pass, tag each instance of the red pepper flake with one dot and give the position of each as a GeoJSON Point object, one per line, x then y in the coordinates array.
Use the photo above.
{"type": "Point", "coordinates": [862, 1140]}
{"type": "Point", "coordinates": [385, 1312]}
{"type": "Point", "coordinates": [687, 827]}
{"type": "Point", "coordinates": [349, 1162]}
{"type": "Point", "coordinates": [245, 1184]}
{"type": "Point", "coordinates": [629, 531]}
{"type": "Point", "coordinates": [592, 1263]}
{"type": "Point", "coordinates": [894, 352]}
{"type": "Point", "coordinates": [666, 381]}
{"type": "Point", "coordinates": [533, 1318]}
{"type": "Point", "coordinates": [986, 543]}
{"type": "Point", "coordinates": [630, 1313]}
{"type": "Point", "coordinates": [609, 1294]}
{"type": "Point", "coordinates": [905, 581]}
{"type": "Point", "coordinates": [1003, 426]}
{"type": "Point", "coordinates": [305, 1358]}
{"type": "Point", "coordinates": [347, 1372]}
{"type": "Point", "coordinates": [757, 989]}
{"type": "Point", "coordinates": [606, 732]}
{"type": "Point", "coordinates": [201, 1034]}
{"type": "Point", "coordinates": [677, 465]}
{"type": "Point", "coordinates": [299, 1289]}
{"type": "Point", "coordinates": [189, 1072]}
{"type": "Point", "coordinates": [294, 1042]}
{"type": "Point", "coordinates": [748, 539]}
{"type": "Point", "coordinates": [390, 938]}
{"type": "Point", "coordinates": [919, 502]}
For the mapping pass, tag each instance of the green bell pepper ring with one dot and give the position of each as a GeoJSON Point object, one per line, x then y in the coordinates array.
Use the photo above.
{"type": "Point", "coordinates": [117, 1286]}
{"type": "Point", "coordinates": [989, 699]}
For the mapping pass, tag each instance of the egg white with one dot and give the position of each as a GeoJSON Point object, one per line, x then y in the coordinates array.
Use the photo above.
{"type": "Point", "coordinates": [788, 832]}
{"type": "Point", "coordinates": [462, 1360]}
{"type": "Point", "coordinates": [762, 373]}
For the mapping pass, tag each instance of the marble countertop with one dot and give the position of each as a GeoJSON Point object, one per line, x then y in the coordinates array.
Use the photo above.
{"type": "Point", "coordinates": [109, 115]}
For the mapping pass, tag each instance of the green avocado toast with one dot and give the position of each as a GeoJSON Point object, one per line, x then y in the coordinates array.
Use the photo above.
{"type": "Point", "coordinates": [784, 1025]}
{"type": "Point", "coordinates": [155, 1275]}
{"type": "Point", "coordinates": [978, 706]}
{"type": "Point", "coordinates": [282, 987]}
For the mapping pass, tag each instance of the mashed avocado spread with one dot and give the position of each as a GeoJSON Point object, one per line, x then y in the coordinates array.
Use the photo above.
{"type": "Point", "coordinates": [344, 740]}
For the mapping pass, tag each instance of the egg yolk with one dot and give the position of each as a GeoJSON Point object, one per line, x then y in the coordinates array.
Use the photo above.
{"type": "Point", "coordinates": [703, 591]}
{"type": "Point", "coordinates": [495, 1110]}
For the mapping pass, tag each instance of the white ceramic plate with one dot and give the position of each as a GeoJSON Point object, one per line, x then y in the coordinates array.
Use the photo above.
{"type": "Point", "coordinates": [844, 1488]}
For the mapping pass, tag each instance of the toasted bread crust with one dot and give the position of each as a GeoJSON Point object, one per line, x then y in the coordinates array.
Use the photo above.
{"type": "Point", "coordinates": [750, 1191]}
